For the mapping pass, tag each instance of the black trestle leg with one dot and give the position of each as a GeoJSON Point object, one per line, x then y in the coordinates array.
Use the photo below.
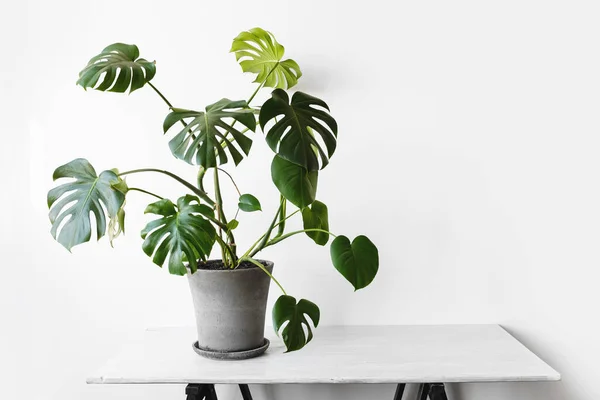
{"type": "Point", "coordinates": [196, 391]}
{"type": "Point", "coordinates": [211, 393]}
{"type": "Point", "coordinates": [399, 391]}
{"type": "Point", "coordinates": [246, 395]}
{"type": "Point", "coordinates": [438, 392]}
{"type": "Point", "coordinates": [424, 391]}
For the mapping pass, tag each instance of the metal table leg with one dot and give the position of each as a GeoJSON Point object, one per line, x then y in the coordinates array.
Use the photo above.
{"type": "Point", "coordinates": [200, 391]}
{"type": "Point", "coordinates": [438, 392]}
{"type": "Point", "coordinates": [399, 391]}
{"type": "Point", "coordinates": [196, 391]}
{"type": "Point", "coordinates": [246, 395]}
{"type": "Point", "coordinates": [431, 391]}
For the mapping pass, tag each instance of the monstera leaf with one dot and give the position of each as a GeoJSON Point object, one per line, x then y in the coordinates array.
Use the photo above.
{"type": "Point", "coordinates": [294, 182]}
{"type": "Point", "coordinates": [286, 310]}
{"type": "Point", "coordinates": [358, 261]}
{"type": "Point", "coordinates": [181, 233]}
{"type": "Point", "coordinates": [206, 135]}
{"type": "Point", "coordinates": [71, 203]}
{"type": "Point", "coordinates": [293, 136]}
{"type": "Point", "coordinates": [121, 67]}
{"type": "Point", "coordinates": [316, 217]}
{"type": "Point", "coordinates": [258, 52]}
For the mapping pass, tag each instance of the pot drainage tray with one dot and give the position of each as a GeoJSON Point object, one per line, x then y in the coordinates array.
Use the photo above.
{"type": "Point", "coordinates": [231, 355]}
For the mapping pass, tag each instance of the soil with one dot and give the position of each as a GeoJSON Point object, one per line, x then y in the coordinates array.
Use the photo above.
{"type": "Point", "coordinates": [217, 265]}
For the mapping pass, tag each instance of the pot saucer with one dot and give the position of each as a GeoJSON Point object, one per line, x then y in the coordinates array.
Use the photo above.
{"type": "Point", "coordinates": [231, 355]}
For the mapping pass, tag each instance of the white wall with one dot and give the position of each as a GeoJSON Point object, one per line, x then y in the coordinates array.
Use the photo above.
{"type": "Point", "coordinates": [467, 152]}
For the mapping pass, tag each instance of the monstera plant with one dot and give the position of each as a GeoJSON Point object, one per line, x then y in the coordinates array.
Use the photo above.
{"type": "Point", "coordinates": [298, 128]}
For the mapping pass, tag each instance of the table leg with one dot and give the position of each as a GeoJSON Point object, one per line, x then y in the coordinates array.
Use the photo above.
{"type": "Point", "coordinates": [200, 391]}
{"type": "Point", "coordinates": [195, 391]}
{"type": "Point", "coordinates": [399, 391]}
{"type": "Point", "coordinates": [438, 392]}
{"type": "Point", "coordinates": [246, 395]}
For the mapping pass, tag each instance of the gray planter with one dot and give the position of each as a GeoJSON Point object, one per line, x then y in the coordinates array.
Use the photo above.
{"type": "Point", "coordinates": [230, 307]}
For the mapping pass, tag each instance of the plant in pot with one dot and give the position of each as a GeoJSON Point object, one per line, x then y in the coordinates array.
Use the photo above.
{"type": "Point", "coordinates": [230, 293]}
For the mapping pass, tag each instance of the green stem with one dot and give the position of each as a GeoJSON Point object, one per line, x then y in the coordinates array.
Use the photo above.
{"type": "Point", "coordinates": [262, 84]}
{"type": "Point", "coordinates": [232, 181]}
{"type": "Point", "coordinates": [145, 191]}
{"type": "Point", "coordinates": [257, 89]}
{"type": "Point", "coordinates": [282, 217]}
{"type": "Point", "coordinates": [266, 271]}
{"type": "Point", "coordinates": [221, 215]}
{"type": "Point", "coordinates": [225, 248]}
{"type": "Point", "coordinates": [194, 189]}
{"type": "Point", "coordinates": [252, 251]}
{"type": "Point", "coordinates": [287, 235]}
{"type": "Point", "coordinates": [161, 95]}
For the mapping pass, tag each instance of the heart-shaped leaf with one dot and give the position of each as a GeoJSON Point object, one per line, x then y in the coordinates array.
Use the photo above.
{"type": "Point", "coordinates": [231, 225]}
{"type": "Point", "coordinates": [71, 203]}
{"type": "Point", "coordinates": [358, 261]}
{"type": "Point", "coordinates": [316, 217]}
{"type": "Point", "coordinates": [181, 234]}
{"type": "Point", "coordinates": [249, 203]}
{"type": "Point", "coordinates": [286, 310]}
{"type": "Point", "coordinates": [293, 136]}
{"type": "Point", "coordinates": [206, 135]}
{"type": "Point", "coordinates": [294, 182]}
{"type": "Point", "coordinates": [120, 67]}
{"type": "Point", "coordinates": [258, 52]}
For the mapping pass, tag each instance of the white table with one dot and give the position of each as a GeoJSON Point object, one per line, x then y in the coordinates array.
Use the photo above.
{"type": "Point", "coordinates": [426, 354]}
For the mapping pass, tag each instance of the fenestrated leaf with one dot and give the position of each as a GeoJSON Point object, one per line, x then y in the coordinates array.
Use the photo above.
{"type": "Point", "coordinates": [316, 217]}
{"type": "Point", "coordinates": [71, 203]}
{"type": "Point", "coordinates": [358, 261]}
{"type": "Point", "coordinates": [293, 136]}
{"type": "Point", "coordinates": [294, 182]}
{"type": "Point", "coordinates": [120, 69]}
{"type": "Point", "coordinates": [249, 203]}
{"type": "Point", "coordinates": [258, 52]}
{"type": "Point", "coordinates": [182, 234]}
{"type": "Point", "coordinates": [207, 133]}
{"type": "Point", "coordinates": [286, 310]}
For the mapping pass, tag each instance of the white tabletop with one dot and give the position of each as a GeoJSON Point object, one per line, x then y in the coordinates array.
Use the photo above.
{"type": "Point", "coordinates": [350, 354]}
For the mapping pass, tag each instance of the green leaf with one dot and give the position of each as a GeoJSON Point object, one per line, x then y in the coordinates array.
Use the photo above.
{"type": "Point", "coordinates": [231, 225]}
{"type": "Point", "coordinates": [71, 203]}
{"type": "Point", "coordinates": [120, 69]}
{"type": "Point", "coordinates": [294, 182]}
{"type": "Point", "coordinates": [207, 134]}
{"type": "Point", "coordinates": [249, 203]}
{"type": "Point", "coordinates": [286, 310]}
{"type": "Point", "coordinates": [182, 233]}
{"type": "Point", "coordinates": [358, 261]}
{"type": "Point", "coordinates": [316, 217]}
{"type": "Point", "coordinates": [258, 52]}
{"type": "Point", "coordinates": [293, 136]}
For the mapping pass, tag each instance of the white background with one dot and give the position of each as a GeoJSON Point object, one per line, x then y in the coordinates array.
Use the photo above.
{"type": "Point", "coordinates": [467, 152]}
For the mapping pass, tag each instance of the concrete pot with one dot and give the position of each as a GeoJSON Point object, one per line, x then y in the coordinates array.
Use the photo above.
{"type": "Point", "coordinates": [230, 307]}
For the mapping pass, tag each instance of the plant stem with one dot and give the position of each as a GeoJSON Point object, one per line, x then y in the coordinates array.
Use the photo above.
{"type": "Point", "coordinates": [231, 178]}
{"type": "Point", "coordinates": [197, 191]}
{"type": "Point", "coordinates": [257, 89]}
{"type": "Point", "coordinates": [262, 84]}
{"type": "Point", "coordinates": [161, 95]}
{"type": "Point", "coordinates": [222, 218]}
{"type": "Point", "coordinates": [259, 265]}
{"type": "Point", "coordinates": [287, 235]}
{"type": "Point", "coordinates": [282, 217]}
{"type": "Point", "coordinates": [145, 191]}
{"type": "Point", "coordinates": [260, 238]}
